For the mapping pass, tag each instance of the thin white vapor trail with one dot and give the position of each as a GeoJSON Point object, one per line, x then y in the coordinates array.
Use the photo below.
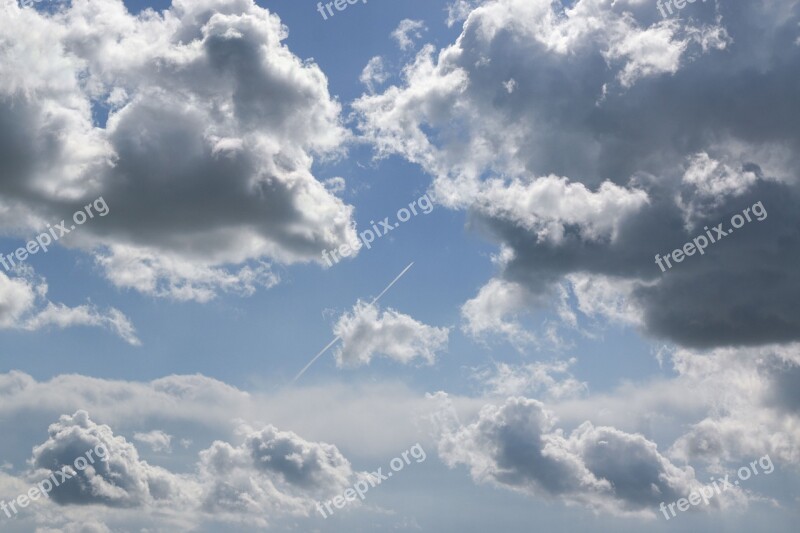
{"type": "Point", "coordinates": [337, 339]}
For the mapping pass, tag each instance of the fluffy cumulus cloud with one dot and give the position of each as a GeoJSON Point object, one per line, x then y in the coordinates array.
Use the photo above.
{"type": "Point", "coordinates": [367, 332]}
{"type": "Point", "coordinates": [204, 159]}
{"type": "Point", "coordinates": [723, 408]}
{"type": "Point", "coordinates": [517, 445]}
{"type": "Point", "coordinates": [24, 306]}
{"type": "Point", "coordinates": [271, 474]}
{"type": "Point", "coordinates": [586, 137]}
{"type": "Point", "coordinates": [244, 471]}
{"type": "Point", "coordinates": [121, 479]}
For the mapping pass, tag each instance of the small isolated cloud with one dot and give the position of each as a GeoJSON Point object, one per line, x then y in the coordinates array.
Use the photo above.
{"type": "Point", "coordinates": [407, 31]}
{"type": "Point", "coordinates": [367, 332]}
{"type": "Point", "coordinates": [374, 74]}
{"type": "Point", "coordinates": [156, 439]}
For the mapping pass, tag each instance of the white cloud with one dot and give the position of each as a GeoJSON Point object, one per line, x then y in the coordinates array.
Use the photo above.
{"type": "Point", "coordinates": [74, 527]}
{"type": "Point", "coordinates": [552, 380]}
{"type": "Point", "coordinates": [709, 184]}
{"type": "Point", "coordinates": [209, 409]}
{"type": "Point", "coordinates": [407, 31]}
{"type": "Point", "coordinates": [549, 205]}
{"type": "Point", "coordinates": [494, 311]}
{"type": "Point", "coordinates": [24, 305]}
{"type": "Point", "coordinates": [756, 407]}
{"type": "Point", "coordinates": [606, 297]}
{"type": "Point", "coordinates": [156, 439]}
{"type": "Point", "coordinates": [177, 278]}
{"type": "Point", "coordinates": [374, 74]}
{"type": "Point", "coordinates": [271, 472]}
{"type": "Point", "coordinates": [367, 332]}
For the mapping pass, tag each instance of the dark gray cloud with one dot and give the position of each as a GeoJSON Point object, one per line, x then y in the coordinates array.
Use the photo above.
{"type": "Point", "coordinates": [698, 114]}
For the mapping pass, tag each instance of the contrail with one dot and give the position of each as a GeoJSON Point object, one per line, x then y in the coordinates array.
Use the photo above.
{"type": "Point", "coordinates": [337, 339]}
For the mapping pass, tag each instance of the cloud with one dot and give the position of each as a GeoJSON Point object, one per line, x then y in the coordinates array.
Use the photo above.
{"type": "Point", "coordinates": [723, 408]}
{"type": "Point", "coordinates": [374, 74]}
{"type": "Point", "coordinates": [120, 480]}
{"type": "Point", "coordinates": [156, 439]}
{"type": "Point", "coordinates": [367, 332]}
{"type": "Point", "coordinates": [502, 308]}
{"type": "Point", "coordinates": [202, 407]}
{"type": "Point", "coordinates": [754, 395]}
{"type": "Point", "coordinates": [406, 31]}
{"type": "Point", "coordinates": [271, 474]}
{"type": "Point", "coordinates": [24, 306]}
{"type": "Point", "coordinates": [525, 380]}
{"type": "Point", "coordinates": [606, 297]}
{"type": "Point", "coordinates": [204, 101]}
{"type": "Point", "coordinates": [621, 137]}
{"type": "Point", "coordinates": [90, 527]}
{"type": "Point", "coordinates": [494, 311]}
{"type": "Point", "coordinates": [517, 446]}
{"type": "Point", "coordinates": [549, 206]}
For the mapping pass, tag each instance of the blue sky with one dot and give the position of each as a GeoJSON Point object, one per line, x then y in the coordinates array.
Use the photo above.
{"type": "Point", "coordinates": [555, 377]}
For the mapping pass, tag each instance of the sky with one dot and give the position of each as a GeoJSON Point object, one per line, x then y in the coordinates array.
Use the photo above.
{"type": "Point", "coordinates": [408, 265]}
